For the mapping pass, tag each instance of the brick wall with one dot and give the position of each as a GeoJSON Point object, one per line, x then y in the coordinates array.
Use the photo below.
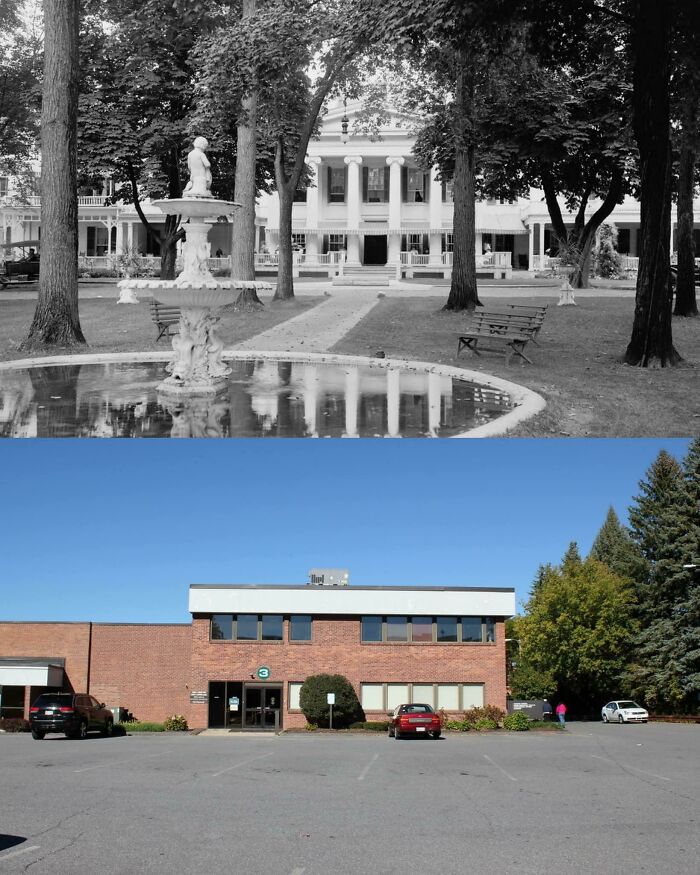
{"type": "Point", "coordinates": [336, 649]}
{"type": "Point", "coordinates": [144, 668]}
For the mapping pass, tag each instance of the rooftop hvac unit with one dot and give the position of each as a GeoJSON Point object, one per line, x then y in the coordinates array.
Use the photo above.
{"type": "Point", "coordinates": [329, 577]}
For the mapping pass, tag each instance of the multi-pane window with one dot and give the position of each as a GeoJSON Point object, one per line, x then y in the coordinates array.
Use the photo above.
{"type": "Point", "coordinates": [3, 185]}
{"type": "Point", "coordinates": [415, 186]}
{"type": "Point", "coordinates": [246, 627]}
{"type": "Point", "coordinates": [299, 242]}
{"type": "Point", "coordinates": [448, 242]}
{"type": "Point", "coordinates": [300, 628]}
{"type": "Point", "coordinates": [451, 697]}
{"type": "Point", "coordinates": [427, 630]}
{"type": "Point", "coordinates": [336, 185]}
{"type": "Point", "coordinates": [336, 242]}
{"type": "Point", "coordinates": [448, 191]}
{"type": "Point", "coordinates": [375, 180]}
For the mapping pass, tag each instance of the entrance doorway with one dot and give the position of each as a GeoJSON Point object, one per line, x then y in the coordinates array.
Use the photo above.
{"type": "Point", "coordinates": [236, 705]}
{"type": "Point", "coordinates": [375, 249]}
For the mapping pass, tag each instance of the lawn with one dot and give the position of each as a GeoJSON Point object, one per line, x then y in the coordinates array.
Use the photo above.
{"type": "Point", "coordinates": [577, 366]}
{"type": "Point", "coordinates": [112, 327]}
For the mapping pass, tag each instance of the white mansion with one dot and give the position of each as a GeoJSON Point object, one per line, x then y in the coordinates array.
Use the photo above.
{"type": "Point", "coordinates": [369, 205]}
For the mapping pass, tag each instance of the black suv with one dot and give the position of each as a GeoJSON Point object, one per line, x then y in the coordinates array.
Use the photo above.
{"type": "Point", "coordinates": [74, 714]}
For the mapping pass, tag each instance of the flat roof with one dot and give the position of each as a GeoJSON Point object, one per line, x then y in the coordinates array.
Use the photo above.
{"type": "Point", "coordinates": [351, 600]}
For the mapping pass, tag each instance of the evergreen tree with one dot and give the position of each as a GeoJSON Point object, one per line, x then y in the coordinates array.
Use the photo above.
{"type": "Point", "coordinates": [614, 547]}
{"type": "Point", "coordinates": [572, 558]}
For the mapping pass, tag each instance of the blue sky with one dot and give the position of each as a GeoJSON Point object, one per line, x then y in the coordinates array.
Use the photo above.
{"type": "Point", "coordinates": [117, 530]}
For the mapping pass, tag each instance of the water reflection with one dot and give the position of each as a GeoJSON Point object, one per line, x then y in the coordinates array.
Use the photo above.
{"type": "Point", "coordinates": [262, 398]}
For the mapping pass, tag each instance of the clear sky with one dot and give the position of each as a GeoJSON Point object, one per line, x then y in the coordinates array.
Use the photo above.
{"type": "Point", "coordinates": [117, 530]}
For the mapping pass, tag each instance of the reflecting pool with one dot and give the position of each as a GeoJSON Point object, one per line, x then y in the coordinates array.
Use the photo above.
{"type": "Point", "coordinates": [263, 398]}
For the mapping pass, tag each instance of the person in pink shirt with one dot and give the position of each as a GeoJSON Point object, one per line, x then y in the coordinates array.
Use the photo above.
{"type": "Point", "coordinates": [561, 713]}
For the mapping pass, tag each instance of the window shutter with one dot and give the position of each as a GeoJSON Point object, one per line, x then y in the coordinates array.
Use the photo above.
{"type": "Point", "coordinates": [345, 184]}
{"type": "Point", "coordinates": [387, 173]}
{"type": "Point", "coordinates": [403, 243]}
{"type": "Point", "coordinates": [404, 184]}
{"type": "Point", "coordinates": [325, 244]}
{"type": "Point", "coordinates": [444, 191]}
{"type": "Point", "coordinates": [426, 244]}
{"type": "Point", "coordinates": [426, 187]}
{"type": "Point", "coordinates": [330, 179]}
{"type": "Point", "coordinates": [365, 184]}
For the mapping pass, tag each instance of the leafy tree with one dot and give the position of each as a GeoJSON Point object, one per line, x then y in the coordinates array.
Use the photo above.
{"type": "Point", "coordinates": [20, 94]}
{"type": "Point", "coordinates": [294, 53]}
{"type": "Point", "coordinates": [606, 261]}
{"type": "Point", "coordinates": [137, 95]}
{"type": "Point", "coordinates": [578, 630]}
{"type": "Point", "coordinates": [314, 702]}
{"type": "Point", "coordinates": [56, 319]}
{"type": "Point", "coordinates": [614, 547]}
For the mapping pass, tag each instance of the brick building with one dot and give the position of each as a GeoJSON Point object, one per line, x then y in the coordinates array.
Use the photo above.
{"type": "Point", "coordinates": [242, 660]}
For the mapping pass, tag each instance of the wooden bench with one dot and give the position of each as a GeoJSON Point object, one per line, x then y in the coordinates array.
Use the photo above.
{"type": "Point", "coordinates": [514, 329]}
{"type": "Point", "coordinates": [536, 312]}
{"type": "Point", "coordinates": [164, 317]}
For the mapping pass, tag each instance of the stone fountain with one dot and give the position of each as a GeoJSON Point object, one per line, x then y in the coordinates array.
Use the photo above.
{"type": "Point", "coordinates": [197, 367]}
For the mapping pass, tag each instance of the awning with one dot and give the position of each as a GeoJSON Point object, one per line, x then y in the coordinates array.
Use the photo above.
{"type": "Point", "coordinates": [490, 220]}
{"type": "Point", "coordinates": [30, 671]}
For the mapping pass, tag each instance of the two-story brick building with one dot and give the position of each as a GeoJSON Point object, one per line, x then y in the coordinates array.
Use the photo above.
{"type": "Point", "coordinates": [242, 660]}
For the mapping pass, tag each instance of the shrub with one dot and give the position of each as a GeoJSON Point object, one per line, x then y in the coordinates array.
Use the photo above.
{"type": "Point", "coordinates": [606, 261]}
{"type": "Point", "coordinates": [314, 702]}
{"type": "Point", "coordinates": [457, 725]}
{"type": "Point", "coordinates": [176, 723]}
{"type": "Point", "coordinates": [14, 724]}
{"type": "Point", "coordinates": [141, 726]}
{"type": "Point", "coordinates": [516, 722]}
{"type": "Point", "coordinates": [485, 723]}
{"type": "Point", "coordinates": [311, 727]}
{"type": "Point", "coordinates": [371, 725]}
{"type": "Point", "coordinates": [488, 712]}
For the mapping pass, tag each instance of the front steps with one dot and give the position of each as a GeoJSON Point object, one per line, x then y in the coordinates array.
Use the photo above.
{"type": "Point", "coordinates": [366, 275]}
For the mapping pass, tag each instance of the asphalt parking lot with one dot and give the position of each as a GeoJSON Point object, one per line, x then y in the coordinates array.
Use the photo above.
{"type": "Point", "coordinates": [595, 798]}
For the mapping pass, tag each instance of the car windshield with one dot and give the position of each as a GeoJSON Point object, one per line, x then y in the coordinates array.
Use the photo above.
{"type": "Point", "coordinates": [627, 705]}
{"type": "Point", "coordinates": [54, 699]}
{"type": "Point", "coordinates": [416, 709]}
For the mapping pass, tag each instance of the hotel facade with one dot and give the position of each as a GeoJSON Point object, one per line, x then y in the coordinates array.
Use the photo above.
{"type": "Point", "coordinates": [241, 661]}
{"type": "Point", "coordinates": [368, 206]}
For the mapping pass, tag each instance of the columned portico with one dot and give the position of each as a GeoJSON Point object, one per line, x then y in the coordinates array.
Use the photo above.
{"type": "Point", "coordinates": [395, 163]}
{"type": "Point", "coordinates": [353, 221]}
{"type": "Point", "coordinates": [312, 209]}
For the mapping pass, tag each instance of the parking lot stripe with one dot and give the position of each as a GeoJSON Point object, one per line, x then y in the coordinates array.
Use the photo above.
{"type": "Point", "coordinates": [242, 763]}
{"type": "Point", "coordinates": [500, 769]}
{"type": "Point", "coordinates": [366, 769]}
{"type": "Point", "coordinates": [631, 768]}
{"type": "Point", "coordinates": [121, 762]}
{"type": "Point", "coordinates": [4, 857]}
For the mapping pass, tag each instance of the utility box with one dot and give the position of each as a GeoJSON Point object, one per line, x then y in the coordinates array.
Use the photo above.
{"type": "Point", "coordinates": [119, 713]}
{"type": "Point", "coordinates": [329, 577]}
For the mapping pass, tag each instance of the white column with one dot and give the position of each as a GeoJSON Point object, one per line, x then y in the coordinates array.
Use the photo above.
{"type": "Point", "coordinates": [542, 224]}
{"type": "Point", "coordinates": [130, 235]}
{"type": "Point", "coordinates": [312, 209]}
{"type": "Point", "coordinates": [353, 222]}
{"type": "Point", "coordinates": [110, 225]}
{"type": "Point", "coordinates": [435, 218]}
{"type": "Point", "coordinates": [395, 163]}
{"type": "Point", "coordinates": [530, 248]}
{"type": "Point", "coordinates": [120, 235]}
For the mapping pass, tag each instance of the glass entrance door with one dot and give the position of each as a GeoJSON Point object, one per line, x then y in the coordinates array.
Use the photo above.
{"type": "Point", "coordinates": [263, 707]}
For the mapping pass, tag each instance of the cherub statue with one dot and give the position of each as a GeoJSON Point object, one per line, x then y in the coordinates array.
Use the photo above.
{"type": "Point", "coordinates": [200, 170]}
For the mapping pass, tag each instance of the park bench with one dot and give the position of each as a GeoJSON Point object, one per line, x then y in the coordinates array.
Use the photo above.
{"type": "Point", "coordinates": [512, 328]}
{"type": "Point", "coordinates": [164, 317]}
{"type": "Point", "coordinates": [529, 310]}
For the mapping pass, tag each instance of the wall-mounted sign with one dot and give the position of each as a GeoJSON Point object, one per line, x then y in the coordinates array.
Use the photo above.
{"type": "Point", "coordinates": [233, 703]}
{"type": "Point", "coordinates": [263, 672]}
{"type": "Point", "coordinates": [199, 697]}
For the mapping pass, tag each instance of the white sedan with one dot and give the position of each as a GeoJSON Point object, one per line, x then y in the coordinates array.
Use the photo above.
{"type": "Point", "coordinates": [624, 712]}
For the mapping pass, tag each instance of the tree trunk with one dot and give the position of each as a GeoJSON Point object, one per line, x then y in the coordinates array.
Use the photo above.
{"type": "Point", "coordinates": [56, 319]}
{"type": "Point", "coordinates": [168, 241]}
{"type": "Point", "coordinates": [651, 344]}
{"type": "Point", "coordinates": [686, 301]}
{"type": "Point", "coordinates": [243, 248]}
{"type": "Point", "coordinates": [285, 282]}
{"type": "Point", "coordinates": [463, 290]}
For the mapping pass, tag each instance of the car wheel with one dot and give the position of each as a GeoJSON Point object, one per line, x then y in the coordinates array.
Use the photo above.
{"type": "Point", "coordinates": [436, 735]}
{"type": "Point", "coordinates": [391, 732]}
{"type": "Point", "coordinates": [620, 718]}
{"type": "Point", "coordinates": [81, 731]}
{"type": "Point", "coordinates": [605, 718]}
{"type": "Point", "coordinates": [397, 734]}
{"type": "Point", "coordinates": [36, 733]}
{"type": "Point", "coordinates": [109, 728]}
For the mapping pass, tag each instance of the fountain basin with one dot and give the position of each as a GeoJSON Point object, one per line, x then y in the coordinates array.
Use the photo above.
{"type": "Point", "coordinates": [268, 394]}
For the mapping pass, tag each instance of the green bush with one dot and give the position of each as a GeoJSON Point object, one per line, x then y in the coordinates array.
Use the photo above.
{"type": "Point", "coordinates": [457, 725]}
{"type": "Point", "coordinates": [14, 724]}
{"type": "Point", "coordinates": [371, 725]}
{"type": "Point", "coordinates": [545, 724]}
{"type": "Point", "coordinates": [516, 722]}
{"type": "Point", "coordinates": [176, 723]}
{"type": "Point", "coordinates": [485, 723]}
{"type": "Point", "coordinates": [311, 727]}
{"type": "Point", "coordinates": [488, 712]}
{"type": "Point", "coordinates": [314, 702]}
{"type": "Point", "coordinates": [141, 726]}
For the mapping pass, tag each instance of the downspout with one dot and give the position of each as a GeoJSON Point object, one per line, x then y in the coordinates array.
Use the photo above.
{"type": "Point", "coordinates": [89, 656]}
